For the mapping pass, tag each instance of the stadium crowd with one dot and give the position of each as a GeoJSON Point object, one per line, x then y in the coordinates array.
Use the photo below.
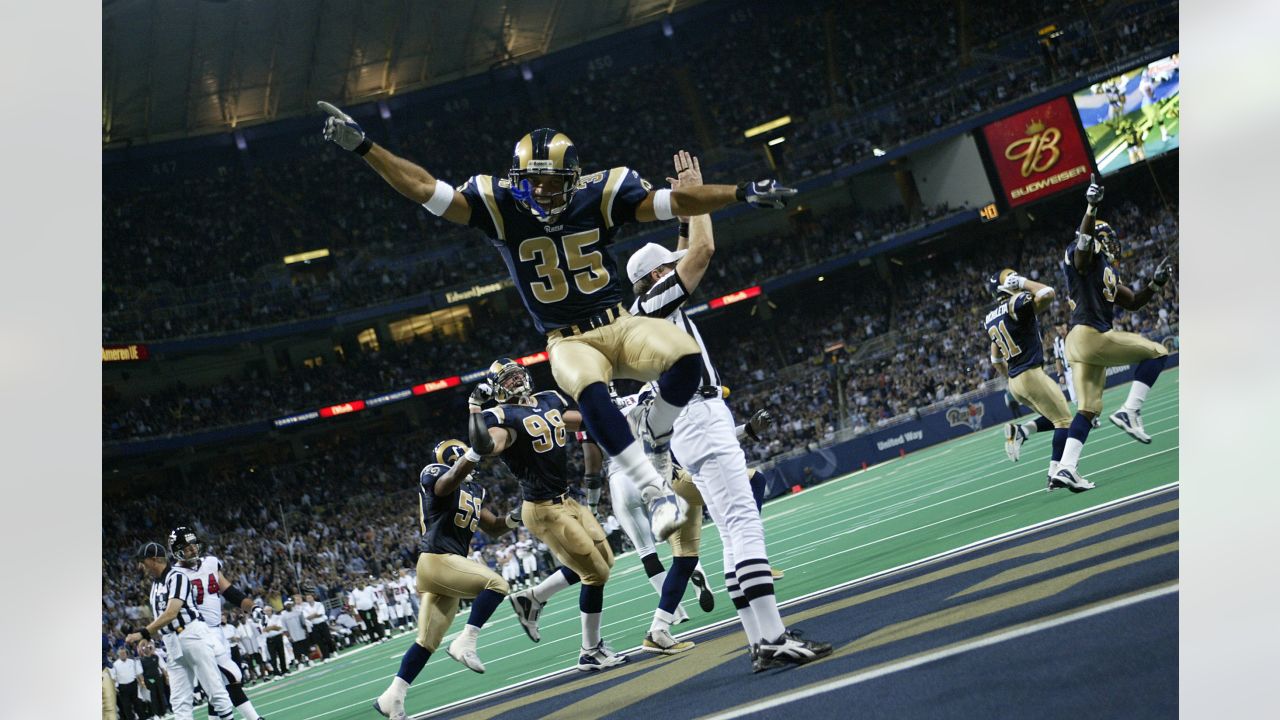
{"type": "Point", "coordinates": [859, 90]}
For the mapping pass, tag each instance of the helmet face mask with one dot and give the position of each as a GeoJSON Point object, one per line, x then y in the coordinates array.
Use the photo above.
{"type": "Point", "coordinates": [1107, 240]}
{"type": "Point", "coordinates": [544, 173]}
{"type": "Point", "coordinates": [184, 545]}
{"type": "Point", "coordinates": [510, 380]}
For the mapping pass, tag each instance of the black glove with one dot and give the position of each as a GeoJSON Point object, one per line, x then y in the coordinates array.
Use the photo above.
{"type": "Point", "coordinates": [758, 423]}
{"type": "Point", "coordinates": [513, 517]}
{"type": "Point", "coordinates": [1163, 270]}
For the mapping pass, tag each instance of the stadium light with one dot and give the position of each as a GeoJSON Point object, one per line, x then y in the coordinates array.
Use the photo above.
{"type": "Point", "coordinates": [877, 152]}
{"type": "Point", "coordinates": [667, 30]}
{"type": "Point", "coordinates": [777, 140]}
{"type": "Point", "coordinates": [306, 257]}
{"type": "Point", "coordinates": [766, 127]}
{"type": "Point", "coordinates": [526, 72]}
{"type": "Point", "coordinates": [384, 110]}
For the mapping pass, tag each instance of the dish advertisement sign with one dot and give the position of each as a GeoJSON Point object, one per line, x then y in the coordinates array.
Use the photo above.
{"type": "Point", "coordinates": [1038, 152]}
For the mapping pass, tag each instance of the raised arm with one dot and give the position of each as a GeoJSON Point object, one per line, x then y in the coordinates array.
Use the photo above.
{"type": "Point", "coordinates": [1129, 300]}
{"type": "Point", "coordinates": [1082, 258]}
{"type": "Point", "coordinates": [699, 240]}
{"type": "Point", "coordinates": [1042, 294]}
{"type": "Point", "coordinates": [408, 178]}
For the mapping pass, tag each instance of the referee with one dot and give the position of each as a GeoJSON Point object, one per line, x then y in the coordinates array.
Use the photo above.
{"type": "Point", "coordinates": [187, 639]}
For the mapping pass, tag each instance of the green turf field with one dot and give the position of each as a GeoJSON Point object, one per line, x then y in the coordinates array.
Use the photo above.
{"type": "Point", "coordinates": [929, 502]}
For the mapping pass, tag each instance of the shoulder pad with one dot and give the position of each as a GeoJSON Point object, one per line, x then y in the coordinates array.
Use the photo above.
{"type": "Point", "coordinates": [432, 471]}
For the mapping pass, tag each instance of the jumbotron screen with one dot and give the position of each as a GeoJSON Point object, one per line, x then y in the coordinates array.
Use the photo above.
{"type": "Point", "coordinates": [1133, 116]}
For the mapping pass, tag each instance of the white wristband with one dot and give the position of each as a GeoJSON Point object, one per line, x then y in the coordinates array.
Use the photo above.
{"type": "Point", "coordinates": [662, 204]}
{"type": "Point", "coordinates": [1084, 243]}
{"type": "Point", "coordinates": [440, 199]}
{"type": "Point", "coordinates": [1043, 292]}
{"type": "Point", "coordinates": [472, 456]}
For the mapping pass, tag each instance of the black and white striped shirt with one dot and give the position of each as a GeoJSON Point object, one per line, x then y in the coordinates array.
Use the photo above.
{"type": "Point", "coordinates": [666, 300]}
{"type": "Point", "coordinates": [174, 584]}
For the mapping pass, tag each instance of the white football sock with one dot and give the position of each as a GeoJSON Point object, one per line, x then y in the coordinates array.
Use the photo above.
{"type": "Point", "coordinates": [1071, 454]}
{"type": "Point", "coordinates": [398, 686]}
{"type": "Point", "coordinates": [767, 617]}
{"type": "Point", "coordinates": [636, 466]}
{"type": "Point", "coordinates": [662, 620]}
{"type": "Point", "coordinates": [1137, 396]}
{"type": "Point", "coordinates": [590, 630]}
{"type": "Point", "coordinates": [1029, 427]}
{"type": "Point", "coordinates": [657, 580]}
{"type": "Point", "coordinates": [554, 583]}
{"type": "Point", "coordinates": [246, 709]}
{"type": "Point", "coordinates": [749, 625]}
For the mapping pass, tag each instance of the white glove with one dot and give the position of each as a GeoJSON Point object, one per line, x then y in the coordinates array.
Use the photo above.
{"type": "Point", "coordinates": [482, 394]}
{"type": "Point", "coordinates": [1094, 194]}
{"type": "Point", "coordinates": [342, 129]}
{"type": "Point", "coordinates": [764, 194]}
{"type": "Point", "coordinates": [1013, 282]}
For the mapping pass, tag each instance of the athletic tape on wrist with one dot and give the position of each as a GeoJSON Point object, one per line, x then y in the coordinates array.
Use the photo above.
{"type": "Point", "coordinates": [662, 204]}
{"type": "Point", "coordinates": [472, 456]}
{"type": "Point", "coordinates": [440, 199]}
{"type": "Point", "coordinates": [1043, 292]}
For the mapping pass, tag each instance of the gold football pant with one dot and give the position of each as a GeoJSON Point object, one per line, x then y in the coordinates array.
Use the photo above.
{"type": "Point", "coordinates": [1090, 353]}
{"type": "Point", "coordinates": [574, 536]}
{"type": "Point", "coordinates": [443, 579]}
{"type": "Point", "coordinates": [1035, 389]}
{"type": "Point", "coordinates": [686, 539]}
{"type": "Point", "coordinates": [639, 348]}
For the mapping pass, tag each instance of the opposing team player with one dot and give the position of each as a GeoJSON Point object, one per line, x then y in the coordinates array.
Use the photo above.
{"type": "Point", "coordinates": [188, 642]}
{"type": "Point", "coordinates": [449, 512]}
{"type": "Point", "coordinates": [705, 441]}
{"type": "Point", "coordinates": [529, 432]}
{"type": "Point", "coordinates": [1017, 350]}
{"type": "Point", "coordinates": [210, 586]}
{"type": "Point", "coordinates": [550, 224]}
{"type": "Point", "coordinates": [1092, 344]}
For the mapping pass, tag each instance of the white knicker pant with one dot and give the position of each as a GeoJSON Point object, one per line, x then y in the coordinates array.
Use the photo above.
{"type": "Point", "coordinates": [191, 660]}
{"type": "Point", "coordinates": [223, 655]}
{"type": "Point", "coordinates": [624, 496]}
{"type": "Point", "coordinates": [706, 444]}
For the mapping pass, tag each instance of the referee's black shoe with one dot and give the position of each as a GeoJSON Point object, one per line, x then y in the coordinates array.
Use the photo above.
{"type": "Point", "coordinates": [790, 648]}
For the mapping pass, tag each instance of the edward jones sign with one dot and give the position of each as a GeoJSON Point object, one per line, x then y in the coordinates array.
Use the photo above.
{"type": "Point", "coordinates": [1038, 152]}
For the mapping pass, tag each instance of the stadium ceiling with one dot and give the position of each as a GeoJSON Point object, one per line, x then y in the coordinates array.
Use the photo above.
{"type": "Point", "coordinates": [175, 68]}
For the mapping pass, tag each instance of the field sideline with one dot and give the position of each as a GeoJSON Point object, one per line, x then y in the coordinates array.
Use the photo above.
{"type": "Point", "coordinates": [932, 502]}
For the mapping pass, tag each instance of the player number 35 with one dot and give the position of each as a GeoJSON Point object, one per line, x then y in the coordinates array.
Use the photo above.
{"type": "Point", "coordinates": [587, 268]}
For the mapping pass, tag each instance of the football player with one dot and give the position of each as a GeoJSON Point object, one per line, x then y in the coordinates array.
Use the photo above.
{"type": "Point", "coordinates": [1093, 346]}
{"type": "Point", "coordinates": [550, 223]}
{"type": "Point", "coordinates": [449, 512]}
{"type": "Point", "coordinates": [209, 587]}
{"type": "Point", "coordinates": [1017, 351]}
{"type": "Point", "coordinates": [529, 432]}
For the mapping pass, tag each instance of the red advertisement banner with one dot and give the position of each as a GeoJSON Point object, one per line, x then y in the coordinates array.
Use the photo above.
{"type": "Point", "coordinates": [1038, 152]}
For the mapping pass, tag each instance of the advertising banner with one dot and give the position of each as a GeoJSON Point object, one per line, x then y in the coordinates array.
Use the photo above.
{"type": "Point", "coordinates": [1038, 152]}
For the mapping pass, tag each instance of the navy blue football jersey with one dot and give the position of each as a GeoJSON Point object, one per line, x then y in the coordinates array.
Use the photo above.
{"type": "Point", "coordinates": [537, 457]}
{"type": "Point", "coordinates": [1092, 295]}
{"type": "Point", "coordinates": [448, 521]}
{"type": "Point", "coordinates": [1014, 328]}
{"type": "Point", "coordinates": [562, 270]}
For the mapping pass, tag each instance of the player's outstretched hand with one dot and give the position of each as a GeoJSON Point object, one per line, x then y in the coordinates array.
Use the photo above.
{"type": "Point", "coordinates": [688, 171]}
{"type": "Point", "coordinates": [765, 194]}
{"type": "Point", "coordinates": [1094, 194]}
{"type": "Point", "coordinates": [761, 421]}
{"type": "Point", "coordinates": [1162, 273]}
{"type": "Point", "coordinates": [342, 129]}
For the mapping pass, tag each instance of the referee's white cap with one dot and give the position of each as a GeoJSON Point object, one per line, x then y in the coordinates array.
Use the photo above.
{"type": "Point", "coordinates": [649, 257]}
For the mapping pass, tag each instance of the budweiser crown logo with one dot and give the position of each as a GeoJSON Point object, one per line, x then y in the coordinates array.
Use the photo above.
{"type": "Point", "coordinates": [1035, 127]}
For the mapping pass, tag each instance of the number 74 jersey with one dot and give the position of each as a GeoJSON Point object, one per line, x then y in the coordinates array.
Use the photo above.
{"type": "Point", "coordinates": [562, 270]}
{"type": "Point", "coordinates": [205, 589]}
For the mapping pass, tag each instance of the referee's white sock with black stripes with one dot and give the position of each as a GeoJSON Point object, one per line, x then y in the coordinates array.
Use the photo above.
{"type": "Point", "coordinates": [756, 580]}
{"type": "Point", "coordinates": [745, 614]}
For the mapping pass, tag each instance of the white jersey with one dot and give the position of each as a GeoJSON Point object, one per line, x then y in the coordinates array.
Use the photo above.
{"type": "Point", "coordinates": [205, 588]}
